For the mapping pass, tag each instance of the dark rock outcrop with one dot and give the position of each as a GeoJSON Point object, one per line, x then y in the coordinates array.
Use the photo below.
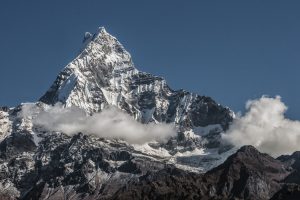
{"type": "Point", "coordinates": [247, 174]}
{"type": "Point", "coordinates": [288, 192]}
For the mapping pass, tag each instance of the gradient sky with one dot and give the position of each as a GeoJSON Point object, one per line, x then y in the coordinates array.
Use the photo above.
{"type": "Point", "coordinates": [230, 50]}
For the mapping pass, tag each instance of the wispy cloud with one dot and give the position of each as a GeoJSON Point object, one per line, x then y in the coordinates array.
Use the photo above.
{"type": "Point", "coordinates": [110, 123]}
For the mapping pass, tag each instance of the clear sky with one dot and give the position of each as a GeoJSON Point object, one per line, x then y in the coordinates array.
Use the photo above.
{"type": "Point", "coordinates": [230, 50]}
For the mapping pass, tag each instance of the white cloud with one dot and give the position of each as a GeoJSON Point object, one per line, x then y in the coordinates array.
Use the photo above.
{"type": "Point", "coordinates": [265, 127]}
{"type": "Point", "coordinates": [110, 123]}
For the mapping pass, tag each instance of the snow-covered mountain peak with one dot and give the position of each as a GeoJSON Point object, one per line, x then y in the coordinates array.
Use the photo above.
{"type": "Point", "coordinates": [101, 29]}
{"type": "Point", "coordinates": [102, 36]}
{"type": "Point", "coordinates": [104, 74]}
{"type": "Point", "coordinates": [102, 32]}
{"type": "Point", "coordinates": [105, 48]}
{"type": "Point", "coordinates": [102, 63]}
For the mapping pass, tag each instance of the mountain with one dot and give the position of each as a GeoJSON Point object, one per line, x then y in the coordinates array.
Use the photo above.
{"type": "Point", "coordinates": [40, 163]}
{"type": "Point", "coordinates": [103, 74]}
{"type": "Point", "coordinates": [36, 162]}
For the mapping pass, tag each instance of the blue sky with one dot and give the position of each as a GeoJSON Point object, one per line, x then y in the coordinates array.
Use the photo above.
{"type": "Point", "coordinates": [230, 50]}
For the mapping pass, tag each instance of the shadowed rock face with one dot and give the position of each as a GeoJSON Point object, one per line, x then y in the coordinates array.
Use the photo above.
{"type": "Point", "coordinates": [248, 174]}
{"type": "Point", "coordinates": [288, 192]}
{"type": "Point", "coordinates": [169, 183]}
{"type": "Point", "coordinates": [17, 143]}
{"type": "Point", "coordinates": [292, 162]}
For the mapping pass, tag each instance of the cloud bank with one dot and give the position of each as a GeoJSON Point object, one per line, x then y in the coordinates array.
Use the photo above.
{"type": "Point", "coordinates": [265, 127]}
{"type": "Point", "coordinates": [111, 123]}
